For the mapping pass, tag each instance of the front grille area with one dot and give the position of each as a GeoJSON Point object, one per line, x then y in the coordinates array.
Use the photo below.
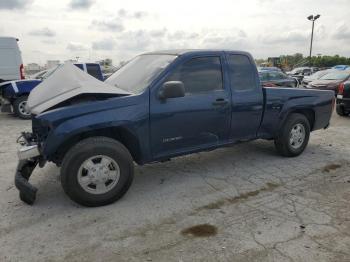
{"type": "Point", "coordinates": [39, 130]}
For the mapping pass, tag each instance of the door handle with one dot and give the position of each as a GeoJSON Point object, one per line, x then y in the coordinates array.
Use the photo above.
{"type": "Point", "coordinates": [220, 102]}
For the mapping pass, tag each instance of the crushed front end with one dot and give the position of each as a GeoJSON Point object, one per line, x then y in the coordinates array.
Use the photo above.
{"type": "Point", "coordinates": [29, 156]}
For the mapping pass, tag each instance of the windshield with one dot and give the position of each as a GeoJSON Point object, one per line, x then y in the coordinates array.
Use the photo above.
{"type": "Point", "coordinates": [136, 75]}
{"type": "Point", "coordinates": [318, 74]}
{"type": "Point", "coordinates": [296, 71]}
{"type": "Point", "coordinates": [335, 76]}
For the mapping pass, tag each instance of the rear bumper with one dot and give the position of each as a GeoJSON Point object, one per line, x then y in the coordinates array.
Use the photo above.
{"type": "Point", "coordinates": [344, 102]}
{"type": "Point", "coordinates": [28, 159]}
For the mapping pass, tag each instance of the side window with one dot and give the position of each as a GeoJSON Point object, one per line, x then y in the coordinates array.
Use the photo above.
{"type": "Point", "coordinates": [282, 76]}
{"type": "Point", "coordinates": [242, 73]}
{"type": "Point", "coordinates": [306, 71]}
{"type": "Point", "coordinates": [275, 76]}
{"type": "Point", "coordinates": [199, 75]}
{"type": "Point", "coordinates": [93, 70]}
{"type": "Point", "coordinates": [263, 76]}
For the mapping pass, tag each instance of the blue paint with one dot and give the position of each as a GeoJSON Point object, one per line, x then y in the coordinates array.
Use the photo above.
{"type": "Point", "coordinates": [156, 130]}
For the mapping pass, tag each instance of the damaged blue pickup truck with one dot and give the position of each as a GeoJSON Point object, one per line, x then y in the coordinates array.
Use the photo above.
{"type": "Point", "coordinates": [158, 106]}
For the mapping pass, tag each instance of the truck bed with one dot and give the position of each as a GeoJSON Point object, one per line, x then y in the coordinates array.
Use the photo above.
{"type": "Point", "coordinates": [279, 102]}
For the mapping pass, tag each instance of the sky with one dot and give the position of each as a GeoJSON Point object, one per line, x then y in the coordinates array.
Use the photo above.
{"type": "Point", "coordinates": [99, 29]}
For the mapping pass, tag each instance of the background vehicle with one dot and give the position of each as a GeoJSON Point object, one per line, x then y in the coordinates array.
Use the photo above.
{"type": "Point", "coordinates": [341, 67]}
{"type": "Point", "coordinates": [178, 104]}
{"type": "Point", "coordinates": [300, 72]}
{"type": "Point", "coordinates": [274, 78]}
{"type": "Point", "coordinates": [343, 99]}
{"type": "Point", "coordinates": [269, 68]}
{"type": "Point", "coordinates": [14, 94]}
{"type": "Point", "coordinates": [330, 81]}
{"type": "Point", "coordinates": [11, 65]}
{"type": "Point", "coordinates": [308, 79]}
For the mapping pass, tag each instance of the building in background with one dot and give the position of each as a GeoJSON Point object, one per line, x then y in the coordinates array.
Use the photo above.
{"type": "Point", "coordinates": [72, 61]}
{"type": "Point", "coordinates": [32, 68]}
{"type": "Point", "coordinates": [52, 63]}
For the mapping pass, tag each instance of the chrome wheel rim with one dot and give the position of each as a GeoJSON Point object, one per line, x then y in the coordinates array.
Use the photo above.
{"type": "Point", "coordinates": [98, 174]}
{"type": "Point", "coordinates": [22, 108]}
{"type": "Point", "coordinates": [297, 136]}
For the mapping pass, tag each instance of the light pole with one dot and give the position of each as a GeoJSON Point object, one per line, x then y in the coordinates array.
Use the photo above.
{"type": "Point", "coordinates": [313, 19]}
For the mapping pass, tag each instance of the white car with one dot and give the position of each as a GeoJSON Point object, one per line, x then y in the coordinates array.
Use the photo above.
{"type": "Point", "coordinates": [11, 65]}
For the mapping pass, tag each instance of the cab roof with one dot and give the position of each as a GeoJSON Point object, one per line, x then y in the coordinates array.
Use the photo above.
{"type": "Point", "coordinates": [179, 52]}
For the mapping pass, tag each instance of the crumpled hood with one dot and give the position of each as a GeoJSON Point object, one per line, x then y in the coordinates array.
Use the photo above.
{"type": "Point", "coordinates": [66, 82]}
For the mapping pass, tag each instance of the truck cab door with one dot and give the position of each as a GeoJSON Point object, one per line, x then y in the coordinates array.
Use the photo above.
{"type": "Point", "coordinates": [247, 97]}
{"type": "Point", "coordinates": [196, 121]}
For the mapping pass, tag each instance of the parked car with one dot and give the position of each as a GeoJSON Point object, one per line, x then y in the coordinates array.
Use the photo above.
{"type": "Point", "coordinates": [330, 81]}
{"type": "Point", "coordinates": [317, 75]}
{"type": "Point", "coordinates": [343, 99]}
{"type": "Point", "coordinates": [160, 105]}
{"type": "Point", "coordinates": [269, 68]}
{"type": "Point", "coordinates": [341, 67]}
{"type": "Point", "coordinates": [11, 65]}
{"type": "Point", "coordinates": [300, 72]}
{"type": "Point", "coordinates": [274, 78]}
{"type": "Point", "coordinates": [14, 94]}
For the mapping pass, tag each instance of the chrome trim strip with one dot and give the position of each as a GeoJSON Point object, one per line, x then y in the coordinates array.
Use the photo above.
{"type": "Point", "coordinates": [27, 152]}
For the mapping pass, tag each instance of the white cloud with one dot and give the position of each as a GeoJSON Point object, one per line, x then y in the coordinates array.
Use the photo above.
{"type": "Point", "coordinates": [15, 4]}
{"type": "Point", "coordinates": [128, 14]}
{"type": "Point", "coordinates": [81, 4]}
{"type": "Point", "coordinates": [44, 32]}
{"type": "Point", "coordinates": [114, 25]}
{"type": "Point", "coordinates": [104, 44]}
{"type": "Point", "coordinates": [342, 32]}
{"type": "Point", "coordinates": [76, 47]}
{"type": "Point", "coordinates": [120, 30]}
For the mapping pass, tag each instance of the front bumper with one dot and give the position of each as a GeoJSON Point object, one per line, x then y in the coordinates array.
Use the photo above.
{"type": "Point", "coordinates": [29, 156]}
{"type": "Point", "coordinates": [27, 192]}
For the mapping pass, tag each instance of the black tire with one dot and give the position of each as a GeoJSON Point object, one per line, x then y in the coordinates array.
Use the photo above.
{"type": "Point", "coordinates": [18, 107]}
{"type": "Point", "coordinates": [282, 142]}
{"type": "Point", "coordinates": [340, 111]}
{"type": "Point", "coordinates": [86, 149]}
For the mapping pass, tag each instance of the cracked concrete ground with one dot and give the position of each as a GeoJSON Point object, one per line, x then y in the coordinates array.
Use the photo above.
{"type": "Point", "coordinates": [242, 203]}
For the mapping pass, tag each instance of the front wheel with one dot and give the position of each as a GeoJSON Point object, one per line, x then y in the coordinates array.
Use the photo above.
{"type": "Point", "coordinates": [293, 136]}
{"type": "Point", "coordinates": [19, 107]}
{"type": "Point", "coordinates": [97, 171]}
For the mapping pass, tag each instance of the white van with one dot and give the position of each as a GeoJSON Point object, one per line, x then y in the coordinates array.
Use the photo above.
{"type": "Point", "coordinates": [11, 65]}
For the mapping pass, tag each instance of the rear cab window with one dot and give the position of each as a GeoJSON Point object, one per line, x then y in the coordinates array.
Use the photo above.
{"type": "Point", "coordinates": [94, 70]}
{"type": "Point", "coordinates": [242, 73]}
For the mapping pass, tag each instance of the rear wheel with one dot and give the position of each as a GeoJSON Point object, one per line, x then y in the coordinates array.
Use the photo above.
{"type": "Point", "coordinates": [294, 136]}
{"type": "Point", "coordinates": [97, 171]}
{"type": "Point", "coordinates": [19, 107]}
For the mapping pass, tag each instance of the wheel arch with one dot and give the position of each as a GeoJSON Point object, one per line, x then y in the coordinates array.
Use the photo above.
{"type": "Point", "coordinates": [121, 134]}
{"type": "Point", "coordinates": [309, 113]}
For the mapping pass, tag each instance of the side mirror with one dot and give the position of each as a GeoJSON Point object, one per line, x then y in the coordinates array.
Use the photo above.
{"type": "Point", "coordinates": [171, 89]}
